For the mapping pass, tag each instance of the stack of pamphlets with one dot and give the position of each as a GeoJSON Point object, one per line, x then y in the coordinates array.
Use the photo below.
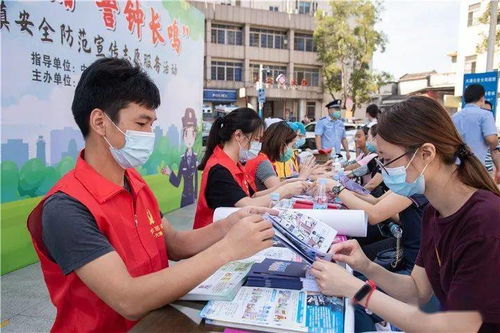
{"type": "Point", "coordinates": [227, 280]}
{"type": "Point", "coordinates": [281, 274]}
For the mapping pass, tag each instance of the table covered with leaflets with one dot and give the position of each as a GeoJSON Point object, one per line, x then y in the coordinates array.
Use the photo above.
{"type": "Point", "coordinates": [273, 290]}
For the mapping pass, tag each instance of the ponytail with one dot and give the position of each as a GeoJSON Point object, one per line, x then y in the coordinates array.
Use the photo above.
{"type": "Point", "coordinates": [244, 119]}
{"type": "Point", "coordinates": [213, 141]}
{"type": "Point", "coordinates": [471, 171]}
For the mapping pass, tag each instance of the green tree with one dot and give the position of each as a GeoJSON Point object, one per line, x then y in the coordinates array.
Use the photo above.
{"type": "Point", "coordinates": [345, 42]}
{"type": "Point", "coordinates": [482, 46]}
{"type": "Point", "coordinates": [65, 165]}
{"type": "Point", "coordinates": [31, 177]}
{"type": "Point", "coordinates": [50, 179]}
{"type": "Point", "coordinates": [10, 181]}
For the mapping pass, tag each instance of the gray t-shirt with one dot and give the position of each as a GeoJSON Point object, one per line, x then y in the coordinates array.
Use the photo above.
{"type": "Point", "coordinates": [70, 233]}
{"type": "Point", "coordinates": [264, 171]}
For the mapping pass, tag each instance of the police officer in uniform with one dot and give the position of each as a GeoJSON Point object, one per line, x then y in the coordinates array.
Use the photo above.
{"type": "Point", "coordinates": [188, 165]}
{"type": "Point", "coordinates": [330, 130]}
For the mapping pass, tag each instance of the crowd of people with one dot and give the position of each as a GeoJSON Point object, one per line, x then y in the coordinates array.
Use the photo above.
{"type": "Point", "coordinates": [105, 268]}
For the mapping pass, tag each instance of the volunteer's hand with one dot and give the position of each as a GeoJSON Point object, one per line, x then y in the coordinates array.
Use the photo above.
{"type": "Point", "coordinates": [291, 189]}
{"type": "Point", "coordinates": [241, 213]}
{"type": "Point", "coordinates": [251, 235]}
{"type": "Point", "coordinates": [350, 252]}
{"type": "Point", "coordinates": [497, 176]}
{"type": "Point", "coordinates": [291, 180]}
{"type": "Point", "coordinates": [330, 183]}
{"type": "Point", "coordinates": [328, 164]}
{"type": "Point", "coordinates": [307, 167]}
{"type": "Point", "coordinates": [347, 155]}
{"type": "Point", "coordinates": [320, 170]}
{"type": "Point", "coordinates": [333, 280]}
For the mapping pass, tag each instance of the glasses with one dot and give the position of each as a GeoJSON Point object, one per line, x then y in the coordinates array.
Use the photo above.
{"type": "Point", "coordinates": [380, 162]}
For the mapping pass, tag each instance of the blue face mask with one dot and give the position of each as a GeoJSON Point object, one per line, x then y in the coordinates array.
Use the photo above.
{"type": "Point", "coordinates": [137, 149]}
{"type": "Point", "coordinates": [299, 143]}
{"type": "Point", "coordinates": [287, 155]}
{"type": "Point", "coordinates": [371, 147]}
{"type": "Point", "coordinates": [336, 114]}
{"type": "Point", "coordinates": [395, 179]}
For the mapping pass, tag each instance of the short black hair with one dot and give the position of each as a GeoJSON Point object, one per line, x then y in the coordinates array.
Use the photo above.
{"type": "Point", "coordinates": [473, 93]}
{"type": "Point", "coordinates": [111, 84]}
{"type": "Point", "coordinates": [373, 110]}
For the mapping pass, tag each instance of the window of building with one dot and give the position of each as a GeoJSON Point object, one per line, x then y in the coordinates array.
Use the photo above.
{"type": "Point", "coordinates": [227, 34]}
{"type": "Point", "coordinates": [304, 42]}
{"type": "Point", "coordinates": [268, 38]}
{"type": "Point", "coordinates": [470, 64]}
{"type": "Point", "coordinates": [304, 7]}
{"type": "Point", "coordinates": [269, 72]}
{"type": "Point", "coordinates": [273, 8]}
{"type": "Point", "coordinates": [473, 14]}
{"type": "Point", "coordinates": [226, 71]}
{"type": "Point", "coordinates": [310, 110]}
{"type": "Point", "coordinates": [226, 2]}
{"type": "Point", "coordinates": [307, 76]}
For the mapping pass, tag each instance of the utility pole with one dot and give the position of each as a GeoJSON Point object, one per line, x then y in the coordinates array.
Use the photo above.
{"type": "Point", "coordinates": [492, 35]}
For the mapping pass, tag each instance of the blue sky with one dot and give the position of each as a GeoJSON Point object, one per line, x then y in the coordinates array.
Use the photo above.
{"type": "Point", "coordinates": [420, 33]}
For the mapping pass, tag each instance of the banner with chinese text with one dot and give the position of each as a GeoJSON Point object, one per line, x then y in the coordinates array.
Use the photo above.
{"type": "Point", "coordinates": [45, 47]}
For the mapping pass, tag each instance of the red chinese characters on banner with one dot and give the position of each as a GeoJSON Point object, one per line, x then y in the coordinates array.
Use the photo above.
{"type": "Point", "coordinates": [108, 8]}
{"type": "Point", "coordinates": [134, 16]}
{"type": "Point", "coordinates": [173, 36]}
{"type": "Point", "coordinates": [185, 31]}
{"type": "Point", "coordinates": [69, 4]}
{"type": "Point", "coordinates": [155, 26]}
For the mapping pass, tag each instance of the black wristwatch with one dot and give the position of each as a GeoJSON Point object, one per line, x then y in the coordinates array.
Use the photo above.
{"type": "Point", "coordinates": [337, 189]}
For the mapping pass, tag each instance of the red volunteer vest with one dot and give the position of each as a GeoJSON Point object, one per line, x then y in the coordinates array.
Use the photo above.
{"type": "Point", "coordinates": [252, 165]}
{"type": "Point", "coordinates": [132, 224]}
{"type": "Point", "coordinates": [204, 214]}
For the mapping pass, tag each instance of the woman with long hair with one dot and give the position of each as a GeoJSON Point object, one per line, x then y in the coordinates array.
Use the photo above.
{"type": "Point", "coordinates": [422, 153]}
{"type": "Point", "coordinates": [233, 140]}
{"type": "Point", "coordinates": [278, 142]}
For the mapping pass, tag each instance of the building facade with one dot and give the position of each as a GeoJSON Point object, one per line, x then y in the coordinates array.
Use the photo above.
{"type": "Point", "coordinates": [243, 37]}
{"type": "Point", "coordinates": [467, 59]}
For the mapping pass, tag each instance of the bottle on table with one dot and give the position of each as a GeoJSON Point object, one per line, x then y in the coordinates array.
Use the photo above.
{"type": "Point", "coordinates": [321, 199]}
{"type": "Point", "coordinates": [275, 199]}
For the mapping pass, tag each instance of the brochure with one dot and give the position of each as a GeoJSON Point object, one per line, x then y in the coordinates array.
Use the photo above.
{"type": "Point", "coordinates": [307, 236]}
{"type": "Point", "coordinates": [278, 310]}
{"type": "Point", "coordinates": [222, 285]}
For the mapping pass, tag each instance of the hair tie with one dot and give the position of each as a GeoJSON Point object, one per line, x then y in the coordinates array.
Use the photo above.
{"type": "Point", "coordinates": [463, 152]}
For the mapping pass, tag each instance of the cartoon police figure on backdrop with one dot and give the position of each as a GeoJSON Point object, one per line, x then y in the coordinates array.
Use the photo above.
{"type": "Point", "coordinates": [188, 165]}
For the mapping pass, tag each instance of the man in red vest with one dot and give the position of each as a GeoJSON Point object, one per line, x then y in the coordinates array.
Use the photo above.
{"type": "Point", "coordinates": [98, 232]}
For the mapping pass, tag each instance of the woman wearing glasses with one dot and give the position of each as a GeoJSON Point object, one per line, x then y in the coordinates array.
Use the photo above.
{"type": "Point", "coordinates": [459, 257]}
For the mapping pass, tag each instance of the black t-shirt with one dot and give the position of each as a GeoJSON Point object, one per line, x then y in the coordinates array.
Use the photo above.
{"type": "Point", "coordinates": [222, 190]}
{"type": "Point", "coordinates": [70, 233]}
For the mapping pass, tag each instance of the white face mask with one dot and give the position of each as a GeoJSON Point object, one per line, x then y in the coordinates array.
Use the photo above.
{"type": "Point", "coordinates": [254, 150]}
{"type": "Point", "coordinates": [137, 149]}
